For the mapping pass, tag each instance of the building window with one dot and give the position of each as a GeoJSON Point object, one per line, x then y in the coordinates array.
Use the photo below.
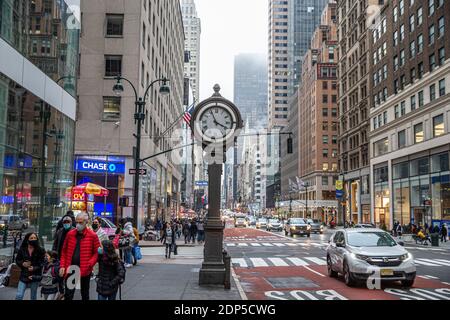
{"type": "Point", "coordinates": [395, 14]}
{"type": "Point", "coordinates": [402, 108]}
{"type": "Point", "coordinates": [324, 112]}
{"type": "Point", "coordinates": [334, 112]}
{"type": "Point", "coordinates": [438, 125]}
{"type": "Point", "coordinates": [381, 147]}
{"type": "Point", "coordinates": [420, 70]}
{"type": "Point", "coordinates": [441, 56]}
{"type": "Point", "coordinates": [325, 153]}
{"type": "Point", "coordinates": [324, 98]}
{"type": "Point", "coordinates": [441, 87]}
{"type": "Point", "coordinates": [335, 139]}
{"type": "Point", "coordinates": [412, 49]}
{"type": "Point", "coordinates": [114, 25]}
{"type": "Point", "coordinates": [111, 108]}
{"type": "Point", "coordinates": [418, 133]}
{"type": "Point", "coordinates": [113, 66]}
{"type": "Point", "coordinates": [395, 38]}
{"type": "Point", "coordinates": [401, 139]}
{"type": "Point", "coordinates": [432, 92]}
{"type": "Point", "coordinates": [431, 34]}
{"type": "Point", "coordinates": [397, 111]}
{"type": "Point", "coordinates": [413, 103]}
{"type": "Point", "coordinates": [419, 16]}
{"type": "Point", "coordinates": [325, 181]}
{"type": "Point", "coordinates": [402, 32]}
{"type": "Point", "coordinates": [420, 94]}
{"type": "Point", "coordinates": [143, 35]}
{"type": "Point", "coordinates": [411, 23]}
{"type": "Point", "coordinates": [430, 7]}
{"type": "Point", "coordinates": [325, 167]}
{"type": "Point", "coordinates": [325, 139]}
{"type": "Point", "coordinates": [441, 27]}
{"type": "Point", "coordinates": [420, 43]}
{"type": "Point", "coordinates": [432, 60]}
{"type": "Point", "coordinates": [413, 75]}
{"type": "Point", "coordinates": [324, 85]}
{"type": "Point", "coordinates": [402, 58]}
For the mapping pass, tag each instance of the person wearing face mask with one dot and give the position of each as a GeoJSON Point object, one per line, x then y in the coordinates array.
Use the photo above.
{"type": "Point", "coordinates": [30, 259]}
{"type": "Point", "coordinates": [80, 249]}
{"type": "Point", "coordinates": [60, 236]}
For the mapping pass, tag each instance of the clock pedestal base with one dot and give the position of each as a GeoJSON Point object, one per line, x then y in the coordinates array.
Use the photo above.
{"type": "Point", "coordinates": [212, 271]}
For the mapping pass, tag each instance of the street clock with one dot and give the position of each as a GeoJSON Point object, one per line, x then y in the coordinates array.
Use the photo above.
{"type": "Point", "coordinates": [216, 120]}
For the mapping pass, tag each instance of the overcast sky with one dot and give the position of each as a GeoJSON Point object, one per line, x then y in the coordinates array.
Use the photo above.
{"type": "Point", "coordinates": [228, 28]}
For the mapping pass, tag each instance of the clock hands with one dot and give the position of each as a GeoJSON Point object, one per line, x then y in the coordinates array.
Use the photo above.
{"type": "Point", "coordinates": [216, 122]}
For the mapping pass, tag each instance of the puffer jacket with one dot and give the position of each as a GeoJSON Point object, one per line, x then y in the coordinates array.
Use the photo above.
{"type": "Point", "coordinates": [128, 232]}
{"type": "Point", "coordinates": [89, 245]}
{"type": "Point", "coordinates": [37, 260]}
{"type": "Point", "coordinates": [109, 277]}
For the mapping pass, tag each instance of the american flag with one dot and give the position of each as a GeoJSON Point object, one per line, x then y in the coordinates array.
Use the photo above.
{"type": "Point", "coordinates": [188, 114]}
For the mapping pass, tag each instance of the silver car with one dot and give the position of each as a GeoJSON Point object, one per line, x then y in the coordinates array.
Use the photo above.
{"type": "Point", "coordinates": [360, 253]}
{"type": "Point", "coordinates": [274, 225]}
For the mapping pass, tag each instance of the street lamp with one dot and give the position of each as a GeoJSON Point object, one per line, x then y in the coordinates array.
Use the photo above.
{"type": "Point", "coordinates": [139, 117]}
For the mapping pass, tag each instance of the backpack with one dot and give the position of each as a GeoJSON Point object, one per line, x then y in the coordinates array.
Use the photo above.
{"type": "Point", "coordinates": [47, 278]}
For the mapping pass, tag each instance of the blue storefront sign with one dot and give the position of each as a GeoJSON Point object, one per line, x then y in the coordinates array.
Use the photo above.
{"type": "Point", "coordinates": [339, 194]}
{"type": "Point", "coordinates": [84, 165]}
{"type": "Point", "coordinates": [201, 183]}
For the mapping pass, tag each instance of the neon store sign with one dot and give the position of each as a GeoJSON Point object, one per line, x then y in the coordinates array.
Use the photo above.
{"type": "Point", "coordinates": [83, 165]}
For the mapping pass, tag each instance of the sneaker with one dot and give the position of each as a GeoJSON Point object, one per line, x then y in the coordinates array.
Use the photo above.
{"type": "Point", "coordinates": [128, 265]}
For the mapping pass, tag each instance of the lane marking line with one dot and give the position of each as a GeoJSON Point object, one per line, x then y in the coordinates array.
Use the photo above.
{"type": "Point", "coordinates": [238, 285]}
{"type": "Point", "coordinates": [279, 244]}
{"type": "Point", "coordinates": [314, 271]}
{"type": "Point", "coordinates": [267, 244]}
{"type": "Point", "coordinates": [425, 263]}
{"type": "Point", "coordinates": [258, 262]}
{"type": "Point", "coordinates": [255, 244]}
{"type": "Point", "coordinates": [278, 262]}
{"type": "Point", "coordinates": [240, 261]}
{"type": "Point", "coordinates": [298, 262]}
{"type": "Point", "coordinates": [318, 261]}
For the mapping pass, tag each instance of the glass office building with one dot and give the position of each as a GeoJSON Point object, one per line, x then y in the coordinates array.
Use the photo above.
{"type": "Point", "coordinates": [38, 71]}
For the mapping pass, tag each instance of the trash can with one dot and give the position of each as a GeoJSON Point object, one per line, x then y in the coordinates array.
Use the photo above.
{"type": "Point", "coordinates": [435, 239]}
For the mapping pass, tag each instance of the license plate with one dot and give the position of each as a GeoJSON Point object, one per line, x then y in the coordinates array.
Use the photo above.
{"type": "Point", "coordinates": [387, 272]}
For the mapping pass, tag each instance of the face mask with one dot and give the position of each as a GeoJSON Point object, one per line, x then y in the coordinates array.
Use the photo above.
{"type": "Point", "coordinates": [67, 226]}
{"type": "Point", "coordinates": [100, 250]}
{"type": "Point", "coordinates": [95, 227]}
{"type": "Point", "coordinates": [33, 243]}
{"type": "Point", "coordinates": [80, 227]}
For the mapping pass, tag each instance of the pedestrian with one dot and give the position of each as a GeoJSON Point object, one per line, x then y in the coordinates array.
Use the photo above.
{"type": "Point", "coordinates": [201, 232]}
{"type": "Point", "coordinates": [193, 231]}
{"type": "Point", "coordinates": [30, 259]}
{"type": "Point", "coordinates": [127, 242]}
{"type": "Point", "coordinates": [111, 272]}
{"type": "Point", "coordinates": [80, 249]}
{"type": "Point", "coordinates": [186, 232]}
{"type": "Point", "coordinates": [50, 276]}
{"type": "Point", "coordinates": [444, 233]}
{"type": "Point", "coordinates": [168, 238]}
{"type": "Point", "coordinates": [101, 234]}
{"type": "Point", "coordinates": [60, 224]}
{"type": "Point", "coordinates": [61, 234]}
{"type": "Point", "coordinates": [398, 229]}
{"type": "Point", "coordinates": [135, 245]}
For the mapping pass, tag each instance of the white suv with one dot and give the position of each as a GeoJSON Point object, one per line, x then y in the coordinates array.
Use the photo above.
{"type": "Point", "coordinates": [361, 253]}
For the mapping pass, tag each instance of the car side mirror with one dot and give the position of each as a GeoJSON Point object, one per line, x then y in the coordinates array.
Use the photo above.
{"type": "Point", "coordinates": [340, 244]}
{"type": "Point", "coordinates": [401, 243]}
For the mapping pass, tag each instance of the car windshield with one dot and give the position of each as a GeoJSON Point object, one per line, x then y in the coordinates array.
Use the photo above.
{"type": "Point", "coordinates": [273, 221]}
{"type": "Point", "coordinates": [298, 221]}
{"type": "Point", "coordinates": [262, 220]}
{"type": "Point", "coordinates": [370, 239]}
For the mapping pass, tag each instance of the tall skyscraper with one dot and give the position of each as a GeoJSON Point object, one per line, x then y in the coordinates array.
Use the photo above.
{"type": "Point", "coordinates": [128, 41]}
{"type": "Point", "coordinates": [291, 24]}
{"type": "Point", "coordinates": [192, 33]}
{"type": "Point", "coordinates": [354, 108]}
{"type": "Point", "coordinates": [250, 96]}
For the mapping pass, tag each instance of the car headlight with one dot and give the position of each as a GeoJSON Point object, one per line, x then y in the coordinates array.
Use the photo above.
{"type": "Point", "coordinates": [360, 257]}
{"type": "Point", "coordinates": [406, 257]}
{"type": "Point", "coordinates": [321, 227]}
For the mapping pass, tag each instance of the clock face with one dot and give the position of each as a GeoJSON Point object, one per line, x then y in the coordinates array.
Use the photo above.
{"type": "Point", "coordinates": [216, 122]}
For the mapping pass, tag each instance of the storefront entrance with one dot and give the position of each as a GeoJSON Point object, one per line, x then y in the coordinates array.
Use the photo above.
{"type": "Point", "coordinates": [421, 216]}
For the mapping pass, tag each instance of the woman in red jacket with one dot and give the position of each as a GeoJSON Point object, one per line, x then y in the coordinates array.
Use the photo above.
{"type": "Point", "coordinates": [80, 250]}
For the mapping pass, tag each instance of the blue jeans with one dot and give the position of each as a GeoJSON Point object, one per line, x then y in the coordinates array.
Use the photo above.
{"type": "Point", "coordinates": [105, 298]}
{"type": "Point", "coordinates": [127, 255]}
{"type": "Point", "coordinates": [24, 286]}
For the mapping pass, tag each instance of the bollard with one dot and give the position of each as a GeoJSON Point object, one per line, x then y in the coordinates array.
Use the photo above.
{"type": "Point", "coordinates": [227, 262]}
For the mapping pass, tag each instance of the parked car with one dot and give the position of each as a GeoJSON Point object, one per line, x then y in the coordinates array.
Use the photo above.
{"type": "Point", "coordinates": [356, 253]}
{"type": "Point", "coordinates": [297, 226]}
{"type": "Point", "coordinates": [261, 223]}
{"type": "Point", "coordinates": [274, 225]}
{"type": "Point", "coordinates": [240, 222]}
{"type": "Point", "coordinates": [14, 222]}
{"type": "Point", "coordinates": [109, 227]}
{"type": "Point", "coordinates": [316, 225]}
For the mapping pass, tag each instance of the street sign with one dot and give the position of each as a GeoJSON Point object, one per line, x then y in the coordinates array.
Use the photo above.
{"type": "Point", "coordinates": [201, 183]}
{"type": "Point", "coordinates": [142, 172]}
{"type": "Point", "coordinates": [339, 194]}
{"type": "Point", "coordinates": [339, 185]}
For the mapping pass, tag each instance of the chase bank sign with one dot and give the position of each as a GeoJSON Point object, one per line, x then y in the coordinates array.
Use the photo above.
{"type": "Point", "coordinates": [84, 165]}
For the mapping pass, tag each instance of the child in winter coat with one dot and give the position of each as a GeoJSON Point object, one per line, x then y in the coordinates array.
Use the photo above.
{"type": "Point", "coordinates": [50, 276]}
{"type": "Point", "coordinates": [111, 272]}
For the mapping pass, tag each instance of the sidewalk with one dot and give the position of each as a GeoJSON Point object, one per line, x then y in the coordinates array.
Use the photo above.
{"type": "Point", "coordinates": [156, 278]}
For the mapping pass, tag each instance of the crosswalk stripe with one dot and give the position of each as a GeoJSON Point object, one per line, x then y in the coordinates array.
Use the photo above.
{"type": "Point", "coordinates": [267, 244]}
{"type": "Point", "coordinates": [298, 262]}
{"type": "Point", "coordinates": [316, 244]}
{"type": "Point", "coordinates": [442, 261]}
{"type": "Point", "coordinates": [425, 262]}
{"type": "Point", "coordinates": [318, 261]}
{"type": "Point", "coordinates": [231, 244]}
{"type": "Point", "coordinates": [240, 261]}
{"type": "Point", "coordinates": [303, 244]}
{"type": "Point", "coordinates": [255, 244]}
{"type": "Point", "coordinates": [280, 244]}
{"type": "Point", "coordinates": [278, 262]}
{"type": "Point", "coordinates": [242, 245]}
{"type": "Point", "coordinates": [258, 262]}
{"type": "Point", "coordinates": [291, 244]}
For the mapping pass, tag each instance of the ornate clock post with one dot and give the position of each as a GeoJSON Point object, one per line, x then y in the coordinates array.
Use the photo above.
{"type": "Point", "coordinates": [215, 123]}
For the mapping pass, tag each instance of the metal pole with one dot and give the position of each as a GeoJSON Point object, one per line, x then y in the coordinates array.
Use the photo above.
{"type": "Point", "coordinates": [138, 117]}
{"type": "Point", "coordinates": [45, 115]}
{"type": "Point", "coordinates": [306, 188]}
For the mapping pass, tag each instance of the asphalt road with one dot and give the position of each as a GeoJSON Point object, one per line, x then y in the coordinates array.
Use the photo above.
{"type": "Point", "coordinates": [270, 265]}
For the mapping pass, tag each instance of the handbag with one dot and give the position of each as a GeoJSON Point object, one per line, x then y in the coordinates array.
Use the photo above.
{"type": "Point", "coordinates": [137, 253]}
{"type": "Point", "coordinates": [124, 242]}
